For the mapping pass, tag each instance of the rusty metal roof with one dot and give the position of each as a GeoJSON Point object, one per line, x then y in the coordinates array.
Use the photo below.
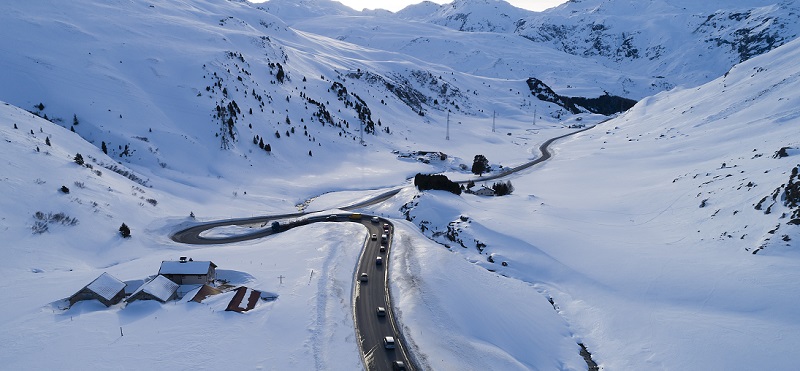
{"type": "Point", "coordinates": [245, 299]}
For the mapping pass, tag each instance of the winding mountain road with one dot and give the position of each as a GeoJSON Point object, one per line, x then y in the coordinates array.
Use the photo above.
{"type": "Point", "coordinates": [368, 295]}
{"type": "Point", "coordinates": [544, 149]}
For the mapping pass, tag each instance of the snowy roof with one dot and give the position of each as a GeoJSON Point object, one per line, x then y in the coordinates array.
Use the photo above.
{"type": "Point", "coordinates": [106, 286]}
{"type": "Point", "coordinates": [160, 287]}
{"type": "Point", "coordinates": [185, 267]}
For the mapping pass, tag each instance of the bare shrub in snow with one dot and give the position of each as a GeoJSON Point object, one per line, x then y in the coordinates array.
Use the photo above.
{"type": "Point", "coordinates": [42, 221]}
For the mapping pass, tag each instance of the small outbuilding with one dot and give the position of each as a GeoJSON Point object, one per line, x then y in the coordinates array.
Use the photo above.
{"type": "Point", "coordinates": [159, 288]}
{"type": "Point", "coordinates": [106, 289]}
{"type": "Point", "coordinates": [485, 191]}
{"type": "Point", "coordinates": [189, 272]}
{"type": "Point", "coordinates": [245, 299]}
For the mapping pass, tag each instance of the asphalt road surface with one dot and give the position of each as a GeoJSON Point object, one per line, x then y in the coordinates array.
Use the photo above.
{"type": "Point", "coordinates": [368, 295]}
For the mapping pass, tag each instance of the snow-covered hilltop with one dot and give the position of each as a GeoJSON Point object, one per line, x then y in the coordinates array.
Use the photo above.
{"type": "Point", "coordinates": [664, 238]}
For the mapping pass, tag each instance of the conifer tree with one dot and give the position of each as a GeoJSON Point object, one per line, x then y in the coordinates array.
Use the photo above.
{"type": "Point", "coordinates": [480, 164]}
{"type": "Point", "coordinates": [124, 231]}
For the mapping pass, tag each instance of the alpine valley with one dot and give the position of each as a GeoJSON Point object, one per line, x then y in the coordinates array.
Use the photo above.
{"type": "Point", "coordinates": [664, 236]}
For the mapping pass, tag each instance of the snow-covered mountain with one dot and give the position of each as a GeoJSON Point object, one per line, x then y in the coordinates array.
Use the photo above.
{"type": "Point", "coordinates": [667, 236]}
{"type": "Point", "coordinates": [225, 74]}
{"type": "Point", "coordinates": [680, 42]}
{"type": "Point", "coordinates": [468, 15]}
{"type": "Point", "coordinates": [654, 45]}
{"type": "Point", "coordinates": [664, 238]}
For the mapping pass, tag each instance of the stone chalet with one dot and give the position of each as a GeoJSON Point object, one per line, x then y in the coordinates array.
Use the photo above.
{"type": "Point", "coordinates": [106, 289]}
{"type": "Point", "coordinates": [189, 272]}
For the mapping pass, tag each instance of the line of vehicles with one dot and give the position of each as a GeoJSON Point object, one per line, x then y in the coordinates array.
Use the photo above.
{"type": "Point", "coordinates": [389, 343]}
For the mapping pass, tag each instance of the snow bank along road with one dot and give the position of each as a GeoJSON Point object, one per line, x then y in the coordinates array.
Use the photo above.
{"type": "Point", "coordinates": [370, 294]}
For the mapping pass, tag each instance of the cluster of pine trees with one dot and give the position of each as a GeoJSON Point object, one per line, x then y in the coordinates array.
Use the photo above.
{"type": "Point", "coordinates": [502, 188]}
{"type": "Point", "coordinates": [260, 142]}
{"type": "Point", "coordinates": [436, 181]}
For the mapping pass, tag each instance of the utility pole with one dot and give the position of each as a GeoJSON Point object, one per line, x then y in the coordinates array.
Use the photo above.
{"type": "Point", "coordinates": [447, 136]}
{"type": "Point", "coordinates": [534, 116]}
{"type": "Point", "coordinates": [494, 114]}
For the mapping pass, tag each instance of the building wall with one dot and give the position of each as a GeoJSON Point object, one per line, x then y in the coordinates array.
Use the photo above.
{"type": "Point", "coordinates": [87, 294]}
{"type": "Point", "coordinates": [146, 296]}
{"type": "Point", "coordinates": [193, 279]}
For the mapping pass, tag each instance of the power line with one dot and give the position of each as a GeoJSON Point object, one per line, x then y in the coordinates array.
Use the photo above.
{"type": "Point", "coordinates": [447, 136]}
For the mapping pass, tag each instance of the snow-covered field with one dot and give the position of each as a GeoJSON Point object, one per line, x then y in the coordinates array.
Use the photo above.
{"type": "Point", "coordinates": [309, 325]}
{"type": "Point", "coordinates": [661, 239]}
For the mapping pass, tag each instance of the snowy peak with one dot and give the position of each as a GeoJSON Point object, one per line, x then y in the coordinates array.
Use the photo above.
{"type": "Point", "coordinates": [621, 7]}
{"type": "Point", "coordinates": [468, 15]}
{"type": "Point", "coordinates": [293, 10]}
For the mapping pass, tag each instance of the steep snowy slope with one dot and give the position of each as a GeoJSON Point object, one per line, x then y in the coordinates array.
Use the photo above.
{"type": "Point", "coordinates": [162, 83]}
{"type": "Point", "coordinates": [57, 240]}
{"type": "Point", "coordinates": [666, 237]}
{"type": "Point", "coordinates": [98, 196]}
